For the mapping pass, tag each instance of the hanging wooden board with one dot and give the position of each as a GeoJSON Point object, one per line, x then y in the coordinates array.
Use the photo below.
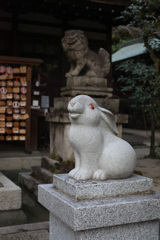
{"type": "Point", "coordinates": [15, 130]}
{"type": "Point", "coordinates": [16, 124]}
{"type": "Point", "coordinates": [2, 124]}
{"type": "Point", "coordinates": [22, 131]}
{"type": "Point", "coordinates": [23, 82]}
{"type": "Point", "coordinates": [9, 124]}
{"type": "Point", "coordinates": [23, 111]}
{"type": "Point", "coordinates": [8, 138]}
{"type": "Point", "coordinates": [10, 83]}
{"type": "Point", "coordinates": [23, 69]}
{"type": "Point", "coordinates": [22, 124]}
{"type": "Point", "coordinates": [23, 97]}
{"type": "Point", "coordinates": [16, 96]}
{"type": "Point", "coordinates": [16, 70]}
{"type": "Point", "coordinates": [9, 70]}
{"type": "Point", "coordinates": [23, 104]}
{"type": "Point", "coordinates": [9, 118]}
{"type": "Point", "coordinates": [2, 97]}
{"type": "Point", "coordinates": [15, 138]}
{"type": "Point", "coordinates": [16, 90]}
{"type": "Point", "coordinates": [2, 69]}
{"type": "Point", "coordinates": [2, 130]}
{"type": "Point", "coordinates": [22, 138]}
{"type": "Point", "coordinates": [9, 130]}
{"type": "Point", "coordinates": [3, 83]}
{"type": "Point", "coordinates": [24, 117]}
{"type": "Point", "coordinates": [16, 110]}
{"type": "Point", "coordinates": [2, 117]}
{"type": "Point", "coordinates": [17, 83]}
{"type": "Point", "coordinates": [9, 111]}
{"type": "Point", "coordinates": [9, 90]}
{"type": "Point", "coordinates": [3, 76]}
{"type": "Point", "coordinates": [9, 96]}
{"type": "Point", "coordinates": [2, 103]}
{"type": "Point", "coordinates": [16, 116]}
{"type": "Point", "coordinates": [1, 138]}
{"type": "Point", "coordinates": [10, 76]}
{"type": "Point", "coordinates": [9, 103]}
{"type": "Point", "coordinates": [2, 109]}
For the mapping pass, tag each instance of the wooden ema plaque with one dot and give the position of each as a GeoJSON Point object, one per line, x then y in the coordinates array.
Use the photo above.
{"type": "Point", "coordinates": [13, 102]}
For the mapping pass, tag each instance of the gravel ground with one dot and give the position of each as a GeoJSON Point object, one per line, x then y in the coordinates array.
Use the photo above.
{"type": "Point", "coordinates": [148, 167]}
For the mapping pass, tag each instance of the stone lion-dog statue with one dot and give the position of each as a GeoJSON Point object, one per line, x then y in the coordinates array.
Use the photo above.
{"type": "Point", "coordinates": [99, 153]}
{"type": "Point", "coordinates": [83, 61]}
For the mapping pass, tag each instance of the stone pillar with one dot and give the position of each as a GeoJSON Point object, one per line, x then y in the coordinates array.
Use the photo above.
{"type": "Point", "coordinates": [101, 210]}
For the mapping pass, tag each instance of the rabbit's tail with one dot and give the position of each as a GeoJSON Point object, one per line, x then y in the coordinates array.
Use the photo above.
{"type": "Point", "coordinates": [105, 60]}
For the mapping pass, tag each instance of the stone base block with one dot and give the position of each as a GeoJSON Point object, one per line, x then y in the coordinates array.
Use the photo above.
{"type": "Point", "coordinates": [10, 194]}
{"type": "Point", "coordinates": [92, 189]}
{"type": "Point", "coordinates": [91, 91]}
{"type": "Point", "coordinates": [86, 81]}
{"type": "Point", "coordinates": [101, 216]}
{"type": "Point", "coordinates": [137, 231]}
{"type": "Point", "coordinates": [92, 86]}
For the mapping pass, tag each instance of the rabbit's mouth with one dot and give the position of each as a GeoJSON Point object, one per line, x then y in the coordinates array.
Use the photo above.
{"type": "Point", "coordinates": [74, 115]}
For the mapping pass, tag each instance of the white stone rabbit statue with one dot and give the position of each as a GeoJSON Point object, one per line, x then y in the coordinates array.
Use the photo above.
{"type": "Point", "coordinates": [99, 153]}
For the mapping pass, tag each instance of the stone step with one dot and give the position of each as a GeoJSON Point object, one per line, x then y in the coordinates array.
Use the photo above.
{"type": "Point", "coordinates": [26, 180]}
{"type": "Point", "coordinates": [48, 162]}
{"type": "Point", "coordinates": [42, 173]}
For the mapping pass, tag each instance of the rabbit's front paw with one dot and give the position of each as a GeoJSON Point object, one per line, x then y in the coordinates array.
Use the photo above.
{"type": "Point", "coordinates": [100, 175]}
{"type": "Point", "coordinates": [82, 175]}
{"type": "Point", "coordinates": [73, 172]}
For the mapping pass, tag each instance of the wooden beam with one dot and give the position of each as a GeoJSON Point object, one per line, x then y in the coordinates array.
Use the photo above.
{"type": "Point", "coordinates": [19, 60]}
{"type": "Point", "coordinates": [112, 2]}
{"type": "Point", "coordinates": [48, 24]}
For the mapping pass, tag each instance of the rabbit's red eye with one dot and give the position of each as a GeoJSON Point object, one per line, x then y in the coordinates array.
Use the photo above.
{"type": "Point", "coordinates": [91, 106]}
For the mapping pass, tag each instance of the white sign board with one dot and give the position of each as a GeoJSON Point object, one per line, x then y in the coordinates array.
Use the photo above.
{"type": "Point", "coordinates": [44, 101]}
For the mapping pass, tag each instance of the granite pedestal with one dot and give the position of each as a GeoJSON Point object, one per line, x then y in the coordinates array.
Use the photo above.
{"type": "Point", "coordinates": [101, 210]}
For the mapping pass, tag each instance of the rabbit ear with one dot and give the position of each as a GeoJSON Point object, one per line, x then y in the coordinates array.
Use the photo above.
{"type": "Point", "coordinates": [109, 119]}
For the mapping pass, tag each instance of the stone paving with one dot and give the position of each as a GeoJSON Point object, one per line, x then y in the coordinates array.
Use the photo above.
{"type": "Point", "coordinates": [149, 167]}
{"type": "Point", "coordinates": [30, 235]}
{"type": "Point", "coordinates": [140, 139]}
{"type": "Point", "coordinates": [36, 231]}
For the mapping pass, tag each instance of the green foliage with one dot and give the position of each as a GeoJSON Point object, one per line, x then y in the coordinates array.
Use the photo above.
{"type": "Point", "coordinates": [116, 46]}
{"type": "Point", "coordinates": [155, 44]}
{"type": "Point", "coordinates": [56, 157]}
{"type": "Point", "coordinates": [62, 166]}
{"type": "Point", "coordinates": [143, 14]}
{"type": "Point", "coordinates": [140, 80]}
